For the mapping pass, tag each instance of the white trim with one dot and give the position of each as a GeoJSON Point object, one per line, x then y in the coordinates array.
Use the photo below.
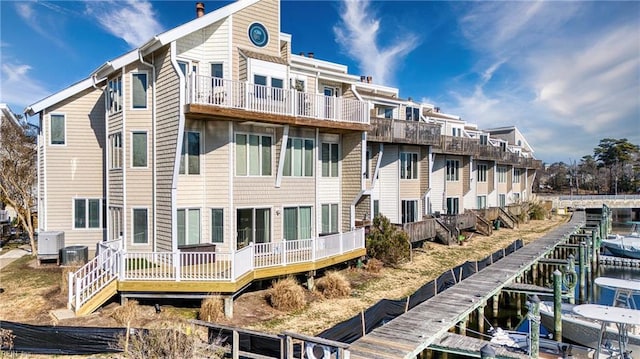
{"type": "Point", "coordinates": [146, 135]}
{"type": "Point", "coordinates": [201, 153]}
{"type": "Point", "coordinates": [64, 116]}
{"type": "Point", "coordinates": [133, 73]}
{"type": "Point", "coordinates": [53, 99]}
{"type": "Point", "coordinates": [271, 221]}
{"type": "Point", "coordinates": [133, 208]}
{"type": "Point", "coordinates": [283, 149]}
{"type": "Point", "coordinates": [233, 244]}
{"type": "Point", "coordinates": [311, 217]}
{"type": "Point", "coordinates": [178, 149]}
{"type": "Point", "coordinates": [86, 213]}
{"type": "Point", "coordinates": [186, 223]}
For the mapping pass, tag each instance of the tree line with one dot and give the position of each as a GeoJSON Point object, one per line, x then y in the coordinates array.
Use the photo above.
{"type": "Point", "coordinates": [614, 168]}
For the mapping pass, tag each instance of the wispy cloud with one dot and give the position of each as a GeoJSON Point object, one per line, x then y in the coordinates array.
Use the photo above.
{"type": "Point", "coordinates": [564, 68]}
{"type": "Point", "coordinates": [133, 21]}
{"type": "Point", "coordinates": [44, 25]}
{"type": "Point", "coordinates": [359, 35]}
{"type": "Point", "coordinates": [18, 87]}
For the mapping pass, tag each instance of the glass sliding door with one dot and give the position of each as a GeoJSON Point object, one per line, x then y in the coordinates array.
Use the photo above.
{"type": "Point", "coordinates": [254, 225]}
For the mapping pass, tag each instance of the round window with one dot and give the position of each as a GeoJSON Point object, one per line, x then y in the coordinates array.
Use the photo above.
{"type": "Point", "coordinates": [258, 34]}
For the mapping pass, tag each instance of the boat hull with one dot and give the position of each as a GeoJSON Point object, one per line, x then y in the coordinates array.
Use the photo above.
{"type": "Point", "coordinates": [628, 247]}
{"type": "Point", "coordinates": [583, 331]}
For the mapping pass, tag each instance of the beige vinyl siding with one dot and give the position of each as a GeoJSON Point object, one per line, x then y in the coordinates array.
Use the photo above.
{"type": "Point", "coordinates": [491, 175]}
{"type": "Point", "coordinates": [266, 12]}
{"type": "Point", "coordinates": [410, 188]}
{"type": "Point", "coordinates": [139, 181]}
{"type": "Point", "coordinates": [76, 169]}
{"type": "Point", "coordinates": [423, 175]}
{"type": "Point", "coordinates": [351, 175]}
{"type": "Point", "coordinates": [216, 167]}
{"type": "Point", "coordinates": [167, 127]}
{"type": "Point", "coordinates": [285, 51]}
{"type": "Point", "coordinates": [509, 178]}
{"type": "Point", "coordinates": [466, 174]}
{"type": "Point", "coordinates": [364, 209]}
{"type": "Point", "coordinates": [206, 46]}
{"type": "Point", "coordinates": [388, 179]}
{"type": "Point", "coordinates": [438, 183]}
{"type": "Point", "coordinates": [456, 188]}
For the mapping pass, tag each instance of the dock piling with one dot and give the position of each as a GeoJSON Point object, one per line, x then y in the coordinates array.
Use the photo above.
{"type": "Point", "coordinates": [557, 305]}
{"type": "Point", "coordinates": [582, 282]}
{"type": "Point", "coordinates": [534, 320]}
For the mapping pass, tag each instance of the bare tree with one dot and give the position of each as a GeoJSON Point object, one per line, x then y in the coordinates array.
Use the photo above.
{"type": "Point", "coordinates": [18, 174]}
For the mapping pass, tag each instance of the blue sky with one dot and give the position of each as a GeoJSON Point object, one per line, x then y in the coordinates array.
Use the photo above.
{"type": "Point", "coordinates": [567, 74]}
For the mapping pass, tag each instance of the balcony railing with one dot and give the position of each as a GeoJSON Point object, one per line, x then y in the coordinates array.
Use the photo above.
{"type": "Point", "coordinates": [215, 91]}
{"type": "Point", "coordinates": [402, 131]}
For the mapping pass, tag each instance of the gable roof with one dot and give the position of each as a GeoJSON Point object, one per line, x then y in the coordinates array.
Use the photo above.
{"type": "Point", "coordinates": [5, 112]}
{"type": "Point", "coordinates": [155, 43]}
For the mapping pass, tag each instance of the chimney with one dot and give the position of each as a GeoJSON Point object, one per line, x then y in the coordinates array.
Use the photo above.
{"type": "Point", "coordinates": [311, 54]}
{"type": "Point", "coordinates": [199, 9]}
{"type": "Point", "coordinates": [301, 54]}
{"type": "Point", "coordinates": [369, 79]}
{"type": "Point", "coordinates": [362, 78]}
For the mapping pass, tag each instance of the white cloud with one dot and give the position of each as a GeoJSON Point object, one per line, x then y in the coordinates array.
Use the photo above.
{"type": "Point", "coordinates": [568, 73]}
{"type": "Point", "coordinates": [17, 87]}
{"type": "Point", "coordinates": [133, 21]}
{"type": "Point", "coordinates": [41, 23]}
{"type": "Point", "coordinates": [358, 35]}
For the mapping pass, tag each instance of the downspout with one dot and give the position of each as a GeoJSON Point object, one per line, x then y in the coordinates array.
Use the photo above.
{"type": "Point", "coordinates": [124, 165]}
{"type": "Point", "coordinates": [178, 149]}
{"type": "Point", "coordinates": [106, 160]}
{"type": "Point", "coordinates": [153, 130]}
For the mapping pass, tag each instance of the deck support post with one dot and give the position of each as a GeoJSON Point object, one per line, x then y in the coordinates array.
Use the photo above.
{"type": "Point", "coordinates": [496, 304]}
{"type": "Point", "coordinates": [480, 312]}
{"type": "Point", "coordinates": [228, 307]}
{"type": "Point", "coordinates": [310, 280]}
{"type": "Point", "coordinates": [518, 305]}
{"type": "Point", "coordinates": [595, 244]}
{"type": "Point", "coordinates": [534, 321]}
{"type": "Point", "coordinates": [557, 306]}
{"type": "Point", "coordinates": [582, 279]}
{"type": "Point", "coordinates": [534, 273]}
{"type": "Point", "coordinates": [462, 326]}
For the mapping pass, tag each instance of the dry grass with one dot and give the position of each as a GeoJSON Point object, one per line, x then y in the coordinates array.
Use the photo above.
{"type": "Point", "coordinates": [64, 278]}
{"type": "Point", "coordinates": [397, 283]}
{"type": "Point", "coordinates": [374, 265]}
{"type": "Point", "coordinates": [287, 295]}
{"type": "Point", "coordinates": [334, 285]}
{"type": "Point", "coordinates": [211, 309]}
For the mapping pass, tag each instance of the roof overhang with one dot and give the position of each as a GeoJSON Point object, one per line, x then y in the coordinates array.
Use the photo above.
{"type": "Point", "coordinates": [8, 114]}
{"type": "Point", "coordinates": [59, 96]}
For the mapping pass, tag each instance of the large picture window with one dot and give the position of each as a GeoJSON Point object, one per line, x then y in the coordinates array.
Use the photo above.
{"type": "Point", "coordinates": [408, 165]}
{"type": "Point", "coordinates": [297, 223]}
{"type": "Point", "coordinates": [516, 175]}
{"type": "Point", "coordinates": [482, 173]}
{"type": "Point", "coordinates": [58, 130]}
{"type": "Point", "coordinates": [329, 218]}
{"type": "Point", "coordinates": [298, 159]}
{"type": "Point", "coordinates": [115, 146]}
{"type": "Point", "coordinates": [409, 211]}
{"type": "Point", "coordinates": [330, 160]}
{"type": "Point", "coordinates": [254, 225]}
{"type": "Point", "coordinates": [502, 174]}
{"type": "Point", "coordinates": [188, 226]}
{"type": "Point", "coordinates": [86, 213]}
{"type": "Point", "coordinates": [114, 95]}
{"type": "Point", "coordinates": [217, 225]}
{"type": "Point", "coordinates": [190, 160]}
{"type": "Point", "coordinates": [453, 205]}
{"type": "Point", "coordinates": [253, 155]}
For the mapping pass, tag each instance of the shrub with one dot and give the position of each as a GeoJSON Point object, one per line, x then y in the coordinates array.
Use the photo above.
{"type": "Point", "coordinates": [538, 211]}
{"type": "Point", "coordinates": [211, 309]}
{"type": "Point", "coordinates": [334, 285]}
{"type": "Point", "coordinates": [374, 265]}
{"type": "Point", "coordinates": [124, 315]}
{"type": "Point", "coordinates": [387, 243]}
{"type": "Point", "coordinates": [286, 294]}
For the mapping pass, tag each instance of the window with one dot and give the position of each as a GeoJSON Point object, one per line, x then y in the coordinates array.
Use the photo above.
{"type": "Point", "coordinates": [139, 90]}
{"type": "Point", "coordinates": [115, 144]}
{"type": "Point", "coordinates": [217, 70]}
{"type": "Point", "coordinates": [86, 213]}
{"type": "Point", "coordinates": [183, 67]}
{"type": "Point", "coordinates": [413, 114]}
{"type": "Point", "coordinates": [217, 225]}
{"type": "Point", "coordinates": [58, 129]}
{"type": "Point", "coordinates": [298, 158]}
{"type": "Point", "coordinates": [276, 89]}
{"type": "Point", "coordinates": [253, 155]}
{"type": "Point", "coordinates": [516, 196]}
{"type": "Point", "coordinates": [376, 207]}
{"type": "Point", "coordinates": [188, 226]}
{"type": "Point", "coordinates": [502, 200]}
{"type": "Point", "coordinates": [190, 154]}
{"type": "Point", "coordinates": [385, 112]}
{"type": "Point", "coordinates": [297, 223]}
{"type": "Point", "coordinates": [254, 225]}
{"type": "Point", "coordinates": [502, 174]}
{"type": "Point", "coordinates": [367, 163]}
{"type": "Point", "coordinates": [516, 175]}
{"type": "Point", "coordinates": [329, 160]}
{"type": "Point", "coordinates": [408, 165]}
{"type": "Point", "coordinates": [114, 95]}
{"type": "Point", "coordinates": [503, 146]}
{"type": "Point", "coordinates": [452, 205]}
{"type": "Point", "coordinates": [484, 139]}
{"type": "Point", "coordinates": [261, 85]}
{"type": "Point", "coordinates": [453, 170]}
{"type": "Point", "coordinates": [482, 202]}
{"type": "Point", "coordinates": [482, 173]}
{"type": "Point", "coordinates": [456, 132]}
{"type": "Point", "coordinates": [139, 149]}
{"type": "Point", "coordinates": [409, 211]}
{"type": "Point", "coordinates": [140, 226]}
{"type": "Point", "coordinates": [329, 218]}
{"type": "Point", "coordinates": [115, 223]}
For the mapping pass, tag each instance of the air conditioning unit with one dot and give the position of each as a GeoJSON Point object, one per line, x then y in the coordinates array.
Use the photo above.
{"type": "Point", "coordinates": [50, 243]}
{"type": "Point", "coordinates": [74, 255]}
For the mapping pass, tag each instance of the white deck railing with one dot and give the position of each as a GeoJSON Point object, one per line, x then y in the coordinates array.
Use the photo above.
{"type": "Point", "coordinates": [113, 263]}
{"type": "Point", "coordinates": [290, 102]}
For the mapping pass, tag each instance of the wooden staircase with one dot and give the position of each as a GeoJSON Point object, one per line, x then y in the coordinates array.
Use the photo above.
{"type": "Point", "coordinates": [507, 219]}
{"type": "Point", "coordinates": [483, 226]}
{"type": "Point", "coordinates": [445, 234]}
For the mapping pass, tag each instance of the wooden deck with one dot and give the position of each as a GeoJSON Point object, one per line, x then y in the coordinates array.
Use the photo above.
{"type": "Point", "coordinates": [409, 334]}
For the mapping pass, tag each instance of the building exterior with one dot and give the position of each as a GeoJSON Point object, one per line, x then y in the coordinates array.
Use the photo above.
{"type": "Point", "coordinates": [213, 144]}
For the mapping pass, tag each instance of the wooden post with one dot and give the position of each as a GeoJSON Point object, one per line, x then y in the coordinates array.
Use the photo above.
{"type": "Point", "coordinates": [535, 327]}
{"type": "Point", "coordinates": [496, 304]}
{"type": "Point", "coordinates": [480, 312]}
{"type": "Point", "coordinates": [289, 344]}
{"type": "Point", "coordinates": [582, 284]}
{"type": "Point", "coordinates": [364, 329]}
{"type": "Point", "coordinates": [519, 305]}
{"type": "Point", "coordinates": [534, 273]}
{"type": "Point", "coordinates": [462, 327]}
{"type": "Point", "coordinates": [595, 244]}
{"type": "Point", "coordinates": [235, 349]}
{"type": "Point", "coordinates": [228, 307]}
{"type": "Point", "coordinates": [557, 305]}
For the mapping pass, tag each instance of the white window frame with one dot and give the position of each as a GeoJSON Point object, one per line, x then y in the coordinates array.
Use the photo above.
{"type": "Point", "coordinates": [405, 204]}
{"type": "Point", "coordinates": [453, 199]}
{"type": "Point", "coordinates": [248, 155]}
{"type": "Point", "coordinates": [408, 168]}
{"type": "Point", "coordinates": [86, 213]}
{"type": "Point", "coordinates": [481, 202]}
{"type": "Point", "coordinates": [115, 152]}
{"type": "Point", "coordinates": [114, 95]}
{"type": "Point", "coordinates": [452, 170]}
{"type": "Point", "coordinates": [64, 119]}
{"type": "Point", "coordinates": [502, 174]}
{"type": "Point", "coordinates": [116, 223]}
{"type": "Point", "coordinates": [330, 173]}
{"type": "Point", "coordinates": [146, 152]}
{"type": "Point", "coordinates": [184, 157]}
{"type": "Point", "coordinates": [289, 156]}
{"type": "Point", "coordinates": [212, 228]}
{"type": "Point", "coordinates": [330, 207]}
{"type": "Point", "coordinates": [516, 175]}
{"type": "Point", "coordinates": [482, 170]}
{"type": "Point", "coordinates": [298, 227]}
{"type": "Point", "coordinates": [133, 226]}
{"type": "Point", "coordinates": [186, 211]}
{"type": "Point", "coordinates": [502, 200]}
{"type": "Point", "coordinates": [146, 90]}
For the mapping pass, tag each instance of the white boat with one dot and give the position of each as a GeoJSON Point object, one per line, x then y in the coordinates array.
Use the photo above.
{"type": "Point", "coordinates": [547, 348]}
{"type": "Point", "coordinates": [586, 332]}
{"type": "Point", "coordinates": [624, 245]}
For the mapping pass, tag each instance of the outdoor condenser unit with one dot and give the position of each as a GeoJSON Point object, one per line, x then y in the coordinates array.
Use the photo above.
{"type": "Point", "coordinates": [50, 243]}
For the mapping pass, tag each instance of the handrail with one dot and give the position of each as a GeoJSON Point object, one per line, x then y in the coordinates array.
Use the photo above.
{"type": "Point", "coordinates": [274, 100]}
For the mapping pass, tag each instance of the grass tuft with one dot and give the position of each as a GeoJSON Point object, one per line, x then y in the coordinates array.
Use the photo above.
{"type": "Point", "coordinates": [334, 285]}
{"type": "Point", "coordinates": [286, 294]}
{"type": "Point", "coordinates": [211, 309]}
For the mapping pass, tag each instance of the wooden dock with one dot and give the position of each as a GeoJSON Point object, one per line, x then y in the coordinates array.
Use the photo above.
{"type": "Point", "coordinates": [411, 333]}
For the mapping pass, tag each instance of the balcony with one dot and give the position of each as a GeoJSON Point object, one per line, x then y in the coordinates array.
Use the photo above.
{"type": "Point", "coordinates": [211, 96]}
{"type": "Point", "coordinates": [401, 131]}
{"type": "Point", "coordinates": [471, 147]}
